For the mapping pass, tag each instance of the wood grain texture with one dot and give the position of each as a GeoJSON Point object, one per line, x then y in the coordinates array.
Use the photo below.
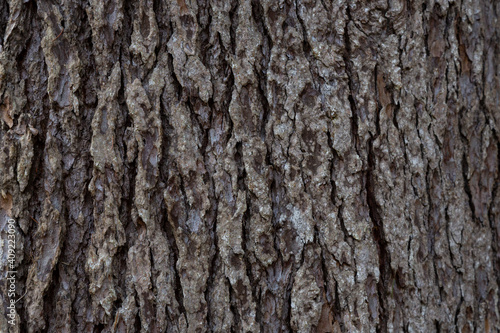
{"type": "Point", "coordinates": [252, 166]}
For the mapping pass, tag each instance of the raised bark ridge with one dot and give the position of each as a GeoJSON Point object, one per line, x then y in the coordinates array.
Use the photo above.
{"type": "Point", "coordinates": [247, 166]}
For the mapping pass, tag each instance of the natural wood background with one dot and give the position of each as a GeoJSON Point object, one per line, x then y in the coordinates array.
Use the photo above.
{"type": "Point", "coordinates": [246, 166]}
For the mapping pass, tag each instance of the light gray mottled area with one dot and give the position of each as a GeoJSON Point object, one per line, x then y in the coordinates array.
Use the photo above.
{"type": "Point", "coordinates": [252, 166]}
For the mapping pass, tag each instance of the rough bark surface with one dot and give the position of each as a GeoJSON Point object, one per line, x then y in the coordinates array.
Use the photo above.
{"type": "Point", "coordinates": [252, 166]}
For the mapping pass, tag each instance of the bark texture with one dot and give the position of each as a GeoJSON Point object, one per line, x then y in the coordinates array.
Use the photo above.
{"type": "Point", "coordinates": [252, 166]}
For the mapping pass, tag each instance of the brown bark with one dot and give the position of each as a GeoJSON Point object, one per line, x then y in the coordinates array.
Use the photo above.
{"type": "Point", "coordinates": [251, 166]}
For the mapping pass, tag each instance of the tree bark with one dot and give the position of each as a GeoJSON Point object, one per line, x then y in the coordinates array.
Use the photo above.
{"type": "Point", "coordinates": [251, 166]}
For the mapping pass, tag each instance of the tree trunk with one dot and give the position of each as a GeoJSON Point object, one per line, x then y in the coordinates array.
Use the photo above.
{"type": "Point", "coordinates": [251, 166]}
